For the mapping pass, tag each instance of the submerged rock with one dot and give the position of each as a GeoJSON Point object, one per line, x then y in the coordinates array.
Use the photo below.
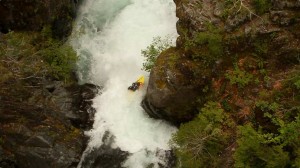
{"type": "Point", "coordinates": [104, 156]}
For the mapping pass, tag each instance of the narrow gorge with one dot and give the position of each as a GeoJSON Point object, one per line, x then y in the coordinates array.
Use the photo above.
{"type": "Point", "coordinates": [223, 93]}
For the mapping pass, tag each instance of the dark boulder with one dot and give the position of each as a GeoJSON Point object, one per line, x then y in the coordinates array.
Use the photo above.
{"type": "Point", "coordinates": [173, 89]}
{"type": "Point", "coordinates": [104, 156]}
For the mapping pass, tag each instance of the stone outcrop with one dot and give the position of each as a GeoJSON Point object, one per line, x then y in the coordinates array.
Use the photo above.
{"type": "Point", "coordinates": [183, 76]}
{"type": "Point", "coordinates": [172, 92]}
{"type": "Point", "coordinates": [45, 130]}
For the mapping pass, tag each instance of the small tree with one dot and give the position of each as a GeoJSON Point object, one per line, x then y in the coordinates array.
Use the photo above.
{"type": "Point", "coordinates": [198, 143]}
{"type": "Point", "coordinates": [151, 53]}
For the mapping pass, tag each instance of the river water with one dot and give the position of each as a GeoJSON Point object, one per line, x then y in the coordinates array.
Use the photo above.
{"type": "Point", "coordinates": [108, 37]}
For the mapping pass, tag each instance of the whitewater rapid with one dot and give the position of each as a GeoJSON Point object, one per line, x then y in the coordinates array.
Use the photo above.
{"type": "Point", "coordinates": [108, 37]}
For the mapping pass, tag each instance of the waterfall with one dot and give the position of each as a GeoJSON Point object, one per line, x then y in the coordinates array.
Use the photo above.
{"type": "Point", "coordinates": [108, 37]}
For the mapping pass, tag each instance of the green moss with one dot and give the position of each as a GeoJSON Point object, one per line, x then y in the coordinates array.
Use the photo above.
{"type": "Point", "coordinates": [173, 59]}
{"type": "Point", "coordinates": [160, 84]}
{"type": "Point", "coordinates": [73, 134]}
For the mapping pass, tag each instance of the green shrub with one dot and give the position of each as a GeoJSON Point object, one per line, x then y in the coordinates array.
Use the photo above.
{"type": "Point", "coordinates": [239, 77]}
{"type": "Point", "coordinates": [36, 55]}
{"type": "Point", "coordinates": [295, 81]}
{"type": "Point", "coordinates": [261, 48]}
{"type": "Point", "coordinates": [213, 39]}
{"type": "Point", "coordinates": [198, 143]}
{"type": "Point", "coordinates": [266, 106]}
{"type": "Point", "coordinates": [61, 59]}
{"type": "Point", "coordinates": [297, 84]}
{"type": "Point", "coordinates": [262, 6]}
{"type": "Point", "coordinates": [151, 53]}
{"type": "Point", "coordinates": [254, 151]}
{"type": "Point", "coordinates": [257, 148]}
{"type": "Point", "coordinates": [206, 46]}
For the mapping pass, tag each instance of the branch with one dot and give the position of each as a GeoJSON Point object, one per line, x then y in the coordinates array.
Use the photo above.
{"type": "Point", "coordinates": [242, 5]}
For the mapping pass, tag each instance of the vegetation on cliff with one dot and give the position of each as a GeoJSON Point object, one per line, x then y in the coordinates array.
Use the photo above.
{"type": "Point", "coordinates": [243, 58]}
{"type": "Point", "coordinates": [151, 53]}
{"type": "Point", "coordinates": [200, 141]}
{"type": "Point", "coordinates": [35, 55]}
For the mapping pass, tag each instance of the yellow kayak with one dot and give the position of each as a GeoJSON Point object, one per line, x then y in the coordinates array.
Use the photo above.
{"type": "Point", "coordinates": [141, 80]}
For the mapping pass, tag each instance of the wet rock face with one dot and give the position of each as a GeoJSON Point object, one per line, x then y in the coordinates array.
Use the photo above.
{"type": "Point", "coordinates": [82, 114]}
{"type": "Point", "coordinates": [108, 156]}
{"type": "Point", "coordinates": [57, 156]}
{"type": "Point", "coordinates": [45, 128]}
{"type": "Point", "coordinates": [271, 32]}
{"type": "Point", "coordinates": [104, 156]}
{"type": "Point", "coordinates": [34, 14]}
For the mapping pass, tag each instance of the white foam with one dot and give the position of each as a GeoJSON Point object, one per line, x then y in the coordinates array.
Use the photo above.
{"type": "Point", "coordinates": [115, 43]}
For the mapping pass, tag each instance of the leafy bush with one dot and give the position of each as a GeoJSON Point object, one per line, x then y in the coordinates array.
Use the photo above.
{"type": "Point", "coordinates": [295, 81]}
{"type": "Point", "coordinates": [207, 45]}
{"type": "Point", "coordinates": [36, 55]}
{"type": "Point", "coordinates": [198, 143]}
{"type": "Point", "coordinates": [297, 84]}
{"type": "Point", "coordinates": [157, 46]}
{"type": "Point", "coordinates": [213, 39]}
{"type": "Point", "coordinates": [266, 106]}
{"type": "Point", "coordinates": [253, 150]}
{"type": "Point", "coordinates": [257, 148]}
{"type": "Point", "coordinates": [239, 77]}
{"type": "Point", "coordinates": [61, 59]}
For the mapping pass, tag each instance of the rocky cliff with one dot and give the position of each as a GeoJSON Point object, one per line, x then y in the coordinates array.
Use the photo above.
{"type": "Point", "coordinates": [218, 38]}
{"type": "Point", "coordinates": [43, 111]}
{"type": "Point", "coordinates": [42, 127]}
{"type": "Point", "coordinates": [232, 83]}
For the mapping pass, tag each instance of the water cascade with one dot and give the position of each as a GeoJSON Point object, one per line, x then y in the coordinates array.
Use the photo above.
{"type": "Point", "coordinates": [108, 37]}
